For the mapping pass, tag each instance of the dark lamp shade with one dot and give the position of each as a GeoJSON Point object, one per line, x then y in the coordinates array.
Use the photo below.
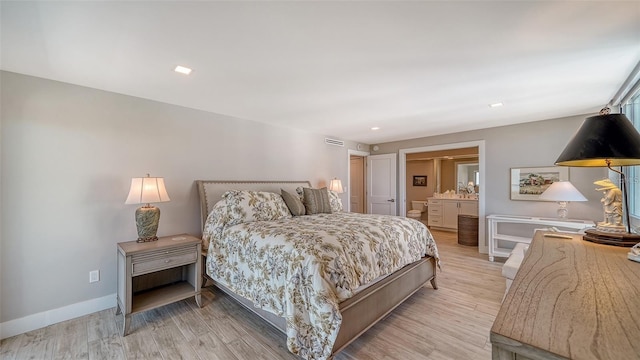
{"type": "Point", "coordinates": [609, 137]}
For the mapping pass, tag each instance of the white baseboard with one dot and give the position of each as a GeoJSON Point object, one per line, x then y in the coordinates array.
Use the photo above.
{"type": "Point", "coordinates": [36, 321]}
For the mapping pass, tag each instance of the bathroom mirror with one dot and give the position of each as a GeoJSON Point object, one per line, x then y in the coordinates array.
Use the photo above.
{"type": "Point", "coordinates": [467, 172]}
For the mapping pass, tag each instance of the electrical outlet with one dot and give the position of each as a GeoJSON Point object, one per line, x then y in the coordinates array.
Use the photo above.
{"type": "Point", "coordinates": [94, 276]}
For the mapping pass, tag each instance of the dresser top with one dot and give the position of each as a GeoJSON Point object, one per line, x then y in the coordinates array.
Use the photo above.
{"type": "Point", "coordinates": [166, 242]}
{"type": "Point", "coordinates": [574, 299]}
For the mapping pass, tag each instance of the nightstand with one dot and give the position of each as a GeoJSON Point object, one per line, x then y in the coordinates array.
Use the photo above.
{"type": "Point", "coordinates": [157, 273]}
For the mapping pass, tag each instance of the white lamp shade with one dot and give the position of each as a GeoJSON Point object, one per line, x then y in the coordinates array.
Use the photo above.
{"type": "Point", "coordinates": [336, 186]}
{"type": "Point", "coordinates": [562, 191]}
{"type": "Point", "coordinates": [147, 190]}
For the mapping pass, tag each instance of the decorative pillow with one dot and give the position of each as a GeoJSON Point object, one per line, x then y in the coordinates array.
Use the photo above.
{"type": "Point", "coordinates": [335, 202]}
{"type": "Point", "coordinates": [293, 202]}
{"type": "Point", "coordinates": [216, 220]}
{"type": "Point", "coordinates": [316, 201]}
{"type": "Point", "coordinates": [246, 206]}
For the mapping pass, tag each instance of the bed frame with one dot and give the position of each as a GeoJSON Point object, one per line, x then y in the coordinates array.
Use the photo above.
{"type": "Point", "coordinates": [360, 312]}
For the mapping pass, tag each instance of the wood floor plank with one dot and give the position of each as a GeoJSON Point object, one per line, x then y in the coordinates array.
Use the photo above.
{"type": "Point", "coordinates": [248, 324]}
{"type": "Point", "coordinates": [190, 324]}
{"type": "Point", "coordinates": [172, 343]}
{"type": "Point", "coordinates": [248, 348]}
{"type": "Point", "coordinates": [209, 347]}
{"type": "Point", "coordinates": [9, 347]}
{"type": "Point", "coordinates": [106, 348]}
{"type": "Point", "coordinates": [37, 344]}
{"type": "Point", "coordinates": [72, 342]}
{"type": "Point", "coordinates": [101, 325]}
{"type": "Point", "coordinates": [139, 343]}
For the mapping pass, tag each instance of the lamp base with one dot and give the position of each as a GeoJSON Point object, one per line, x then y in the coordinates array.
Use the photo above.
{"type": "Point", "coordinates": [147, 239]}
{"type": "Point", "coordinates": [147, 218]}
{"type": "Point", "coordinates": [610, 238]}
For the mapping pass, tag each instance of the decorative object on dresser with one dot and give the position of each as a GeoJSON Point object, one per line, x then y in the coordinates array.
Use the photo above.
{"type": "Point", "coordinates": [562, 192]}
{"type": "Point", "coordinates": [336, 186]}
{"type": "Point", "coordinates": [570, 299]}
{"type": "Point", "coordinates": [606, 140]}
{"type": "Point", "coordinates": [147, 190]}
{"type": "Point", "coordinates": [612, 206]}
{"type": "Point", "coordinates": [507, 230]}
{"type": "Point", "coordinates": [530, 183]}
{"type": "Point", "coordinates": [154, 274]}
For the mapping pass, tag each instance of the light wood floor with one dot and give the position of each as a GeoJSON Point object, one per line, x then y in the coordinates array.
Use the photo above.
{"type": "Point", "coordinates": [452, 322]}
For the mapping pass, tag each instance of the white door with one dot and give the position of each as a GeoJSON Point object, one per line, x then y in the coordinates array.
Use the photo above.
{"type": "Point", "coordinates": [381, 184]}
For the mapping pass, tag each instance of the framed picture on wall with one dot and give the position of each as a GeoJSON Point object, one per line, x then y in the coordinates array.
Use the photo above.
{"type": "Point", "coordinates": [420, 180]}
{"type": "Point", "coordinates": [529, 183]}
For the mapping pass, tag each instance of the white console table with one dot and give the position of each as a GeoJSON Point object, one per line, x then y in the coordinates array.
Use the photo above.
{"type": "Point", "coordinates": [498, 238]}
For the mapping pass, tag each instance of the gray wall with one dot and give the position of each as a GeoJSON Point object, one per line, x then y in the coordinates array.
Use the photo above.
{"type": "Point", "coordinates": [525, 145]}
{"type": "Point", "coordinates": [68, 154]}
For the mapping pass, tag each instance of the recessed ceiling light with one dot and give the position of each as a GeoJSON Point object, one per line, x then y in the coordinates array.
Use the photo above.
{"type": "Point", "coordinates": [495, 105]}
{"type": "Point", "coordinates": [375, 128]}
{"type": "Point", "coordinates": [182, 70]}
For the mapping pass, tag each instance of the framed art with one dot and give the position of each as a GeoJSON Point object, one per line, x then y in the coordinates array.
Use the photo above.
{"type": "Point", "coordinates": [420, 180]}
{"type": "Point", "coordinates": [529, 183]}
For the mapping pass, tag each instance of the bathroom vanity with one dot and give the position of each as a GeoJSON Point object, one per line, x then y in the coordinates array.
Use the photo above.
{"type": "Point", "coordinates": [443, 212]}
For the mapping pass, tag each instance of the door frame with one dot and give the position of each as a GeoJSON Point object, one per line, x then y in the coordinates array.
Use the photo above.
{"type": "Point", "coordinates": [356, 153]}
{"type": "Point", "coordinates": [402, 176]}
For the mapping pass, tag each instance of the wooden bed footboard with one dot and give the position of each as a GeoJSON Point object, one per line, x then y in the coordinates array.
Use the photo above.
{"type": "Point", "coordinates": [364, 310]}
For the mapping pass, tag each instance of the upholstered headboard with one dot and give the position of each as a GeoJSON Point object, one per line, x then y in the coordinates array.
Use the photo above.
{"type": "Point", "coordinates": [211, 191]}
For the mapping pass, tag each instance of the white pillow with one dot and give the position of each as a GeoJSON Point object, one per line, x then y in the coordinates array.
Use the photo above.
{"type": "Point", "coordinates": [335, 202]}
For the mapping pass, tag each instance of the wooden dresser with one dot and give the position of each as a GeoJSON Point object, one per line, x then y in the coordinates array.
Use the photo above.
{"type": "Point", "coordinates": [571, 299]}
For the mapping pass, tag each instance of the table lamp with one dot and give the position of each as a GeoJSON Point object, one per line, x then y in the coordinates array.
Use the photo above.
{"type": "Point", "coordinates": [336, 186]}
{"type": "Point", "coordinates": [606, 140]}
{"type": "Point", "coordinates": [147, 190]}
{"type": "Point", "coordinates": [563, 192]}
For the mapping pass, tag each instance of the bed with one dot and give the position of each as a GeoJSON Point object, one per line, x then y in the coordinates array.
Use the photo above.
{"type": "Point", "coordinates": [318, 324]}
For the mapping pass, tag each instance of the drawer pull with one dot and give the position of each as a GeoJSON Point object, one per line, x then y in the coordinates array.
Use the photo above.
{"type": "Point", "coordinates": [167, 261]}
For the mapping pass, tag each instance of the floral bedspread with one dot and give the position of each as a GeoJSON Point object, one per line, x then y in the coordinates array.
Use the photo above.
{"type": "Point", "coordinates": [301, 267]}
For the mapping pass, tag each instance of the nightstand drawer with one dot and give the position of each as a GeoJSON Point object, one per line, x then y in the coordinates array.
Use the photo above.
{"type": "Point", "coordinates": [162, 259]}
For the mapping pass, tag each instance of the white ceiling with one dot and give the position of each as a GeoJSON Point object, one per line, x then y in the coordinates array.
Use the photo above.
{"type": "Point", "coordinates": [338, 68]}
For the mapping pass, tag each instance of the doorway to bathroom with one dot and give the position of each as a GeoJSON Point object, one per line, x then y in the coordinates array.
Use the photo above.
{"type": "Point", "coordinates": [439, 169]}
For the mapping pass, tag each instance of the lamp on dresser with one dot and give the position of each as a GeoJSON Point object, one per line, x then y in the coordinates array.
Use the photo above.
{"type": "Point", "coordinates": [606, 140]}
{"type": "Point", "coordinates": [563, 192]}
{"type": "Point", "coordinates": [147, 190]}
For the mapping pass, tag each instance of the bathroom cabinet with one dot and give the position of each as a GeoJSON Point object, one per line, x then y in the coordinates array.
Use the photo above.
{"type": "Point", "coordinates": [443, 213]}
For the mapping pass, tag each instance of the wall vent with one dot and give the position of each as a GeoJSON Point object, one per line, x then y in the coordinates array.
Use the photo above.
{"type": "Point", "coordinates": [334, 142]}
